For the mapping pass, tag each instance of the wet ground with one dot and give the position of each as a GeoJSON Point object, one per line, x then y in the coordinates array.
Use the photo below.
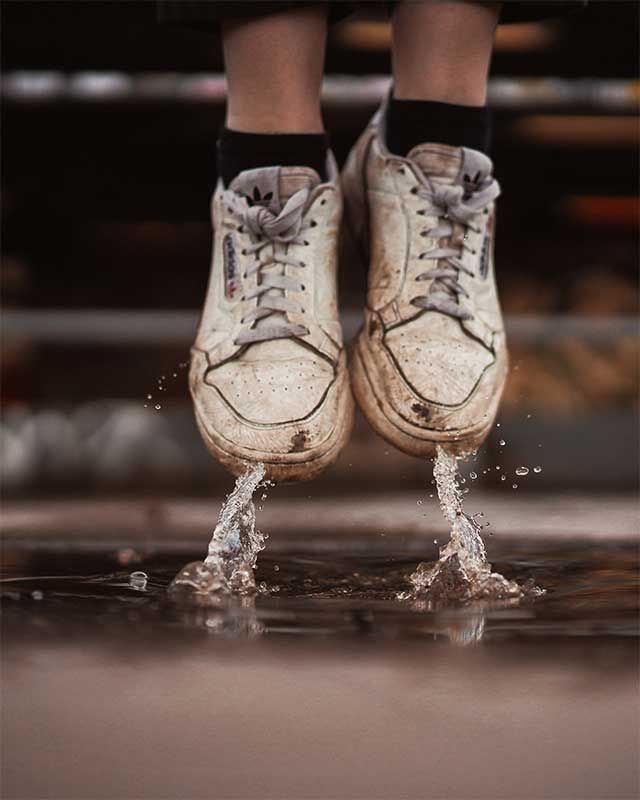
{"type": "Point", "coordinates": [323, 685]}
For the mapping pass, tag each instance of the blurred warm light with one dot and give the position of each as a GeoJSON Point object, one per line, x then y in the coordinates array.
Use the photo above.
{"type": "Point", "coordinates": [375, 35]}
{"type": "Point", "coordinates": [578, 130]}
{"type": "Point", "coordinates": [601, 210]}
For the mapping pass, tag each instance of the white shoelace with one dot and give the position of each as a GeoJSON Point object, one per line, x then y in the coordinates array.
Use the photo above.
{"type": "Point", "coordinates": [450, 204]}
{"type": "Point", "coordinates": [278, 232]}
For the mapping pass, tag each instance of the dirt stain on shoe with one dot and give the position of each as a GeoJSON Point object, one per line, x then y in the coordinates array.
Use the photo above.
{"type": "Point", "coordinates": [421, 411]}
{"type": "Point", "coordinates": [299, 442]}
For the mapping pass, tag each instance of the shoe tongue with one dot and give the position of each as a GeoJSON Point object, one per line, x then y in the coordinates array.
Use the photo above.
{"type": "Point", "coordinates": [273, 186]}
{"type": "Point", "coordinates": [444, 164]}
{"type": "Point", "coordinates": [439, 162]}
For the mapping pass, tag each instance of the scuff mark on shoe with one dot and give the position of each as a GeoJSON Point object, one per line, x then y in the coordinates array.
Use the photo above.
{"type": "Point", "coordinates": [298, 442]}
{"type": "Point", "coordinates": [421, 411]}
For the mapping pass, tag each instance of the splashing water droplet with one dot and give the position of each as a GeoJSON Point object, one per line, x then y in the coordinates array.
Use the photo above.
{"type": "Point", "coordinates": [157, 406]}
{"type": "Point", "coordinates": [473, 476]}
{"type": "Point", "coordinates": [234, 546]}
{"type": "Point", "coordinates": [503, 477]}
{"type": "Point", "coordinates": [138, 581]}
{"type": "Point", "coordinates": [149, 396]}
{"type": "Point", "coordinates": [522, 471]}
{"type": "Point", "coordinates": [514, 486]}
{"type": "Point", "coordinates": [502, 442]}
{"type": "Point", "coordinates": [462, 573]}
{"type": "Point", "coordinates": [419, 502]}
{"type": "Point", "coordinates": [537, 469]}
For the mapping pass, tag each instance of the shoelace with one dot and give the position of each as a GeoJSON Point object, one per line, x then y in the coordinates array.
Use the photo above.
{"type": "Point", "coordinates": [276, 231]}
{"type": "Point", "coordinates": [450, 204]}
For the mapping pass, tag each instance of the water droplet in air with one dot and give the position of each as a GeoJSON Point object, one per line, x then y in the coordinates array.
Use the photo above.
{"type": "Point", "coordinates": [276, 568]}
{"type": "Point", "coordinates": [157, 406]}
{"type": "Point", "coordinates": [149, 396]}
{"type": "Point", "coordinates": [514, 486]}
{"type": "Point", "coordinates": [502, 442]}
{"type": "Point", "coordinates": [528, 416]}
{"type": "Point", "coordinates": [503, 477]}
{"type": "Point", "coordinates": [537, 469]}
{"type": "Point", "coordinates": [498, 468]}
{"type": "Point", "coordinates": [138, 580]}
{"type": "Point", "coordinates": [497, 424]}
{"type": "Point", "coordinates": [419, 502]}
{"type": "Point", "coordinates": [522, 471]}
{"type": "Point", "coordinates": [264, 496]}
{"type": "Point", "coordinates": [473, 476]}
{"type": "Point", "coordinates": [37, 594]}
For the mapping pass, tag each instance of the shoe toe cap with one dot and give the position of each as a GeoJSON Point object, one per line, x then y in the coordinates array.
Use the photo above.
{"type": "Point", "coordinates": [441, 370]}
{"type": "Point", "coordinates": [272, 394]}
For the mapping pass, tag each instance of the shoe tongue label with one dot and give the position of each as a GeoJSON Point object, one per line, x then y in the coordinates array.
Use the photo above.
{"type": "Point", "coordinates": [271, 187]}
{"type": "Point", "coordinates": [260, 187]}
{"type": "Point", "coordinates": [475, 169]}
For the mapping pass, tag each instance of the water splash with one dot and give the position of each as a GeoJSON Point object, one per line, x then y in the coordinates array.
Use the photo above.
{"type": "Point", "coordinates": [462, 574]}
{"type": "Point", "coordinates": [234, 546]}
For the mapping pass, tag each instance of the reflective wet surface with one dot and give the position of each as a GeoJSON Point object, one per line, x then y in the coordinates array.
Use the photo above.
{"type": "Point", "coordinates": [591, 590]}
{"type": "Point", "coordinates": [322, 684]}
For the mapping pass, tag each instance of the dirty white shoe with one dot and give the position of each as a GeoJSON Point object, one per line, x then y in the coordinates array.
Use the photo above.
{"type": "Point", "coordinates": [430, 363]}
{"type": "Point", "coordinates": [268, 370]}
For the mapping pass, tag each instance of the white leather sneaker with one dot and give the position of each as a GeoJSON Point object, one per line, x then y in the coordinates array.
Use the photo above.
{"type": "Point", "coordinates": [268, 374]}
{"type": "Point", "coordinates": [430, 362]}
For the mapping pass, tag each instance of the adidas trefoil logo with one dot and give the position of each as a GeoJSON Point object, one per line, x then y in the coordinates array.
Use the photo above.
{"type": "Point", "coordinates": [257, 199]}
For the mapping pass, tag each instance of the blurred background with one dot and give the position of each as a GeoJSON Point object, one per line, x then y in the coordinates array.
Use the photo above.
{"type": "Point", "coordinates": [108, 161]}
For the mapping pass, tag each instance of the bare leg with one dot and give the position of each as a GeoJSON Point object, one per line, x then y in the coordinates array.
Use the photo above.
{"type": "Point", "coordinates": [442, 50]}
{"type": "Point", "coordinates": [274, 67]}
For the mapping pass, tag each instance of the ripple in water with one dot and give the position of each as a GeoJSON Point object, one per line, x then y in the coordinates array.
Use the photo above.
{"type": "Point", "coordinates": [462, 574]}
{"type": "Point", "coordinates": [233, 549]}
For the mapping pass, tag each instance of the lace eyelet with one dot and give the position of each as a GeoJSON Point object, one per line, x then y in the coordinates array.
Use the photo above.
{"type": "Point", "coordinates": [414, 190]}
{"type": "Point", "coordinates": [303, 263]}
{"type": "Point", "coordinates": [323, 202]}
{"type": "Point", "coordinates": [306, 243]}
{"type": "Point", "coordinates": [303, 287]}
{"type": "Point", "coordinates": [244, 252]}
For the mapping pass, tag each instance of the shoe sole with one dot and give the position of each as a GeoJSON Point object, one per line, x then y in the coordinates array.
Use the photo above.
{"type": "Point", "coordinates": [423, 444]}
{"type": "Point", "coordinates": [289, 467]}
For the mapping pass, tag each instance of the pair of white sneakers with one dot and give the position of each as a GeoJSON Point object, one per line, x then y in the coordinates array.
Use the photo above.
{"type": "Point", "coordinates": [269, 375]}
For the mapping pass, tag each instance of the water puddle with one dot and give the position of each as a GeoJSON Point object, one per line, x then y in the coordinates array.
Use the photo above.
{"type": "Point", "coordinates": [463, 573]}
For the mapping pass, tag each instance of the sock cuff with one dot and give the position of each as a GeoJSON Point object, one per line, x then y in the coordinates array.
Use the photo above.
{"type": "Point", "coordinates": [413, 122]}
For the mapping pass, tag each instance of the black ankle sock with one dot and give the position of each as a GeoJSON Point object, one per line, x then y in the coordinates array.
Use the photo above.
{"type": "Point", "coordinates": [414, 122]}
{"type": "Point", "coordinates": [239, 151]}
